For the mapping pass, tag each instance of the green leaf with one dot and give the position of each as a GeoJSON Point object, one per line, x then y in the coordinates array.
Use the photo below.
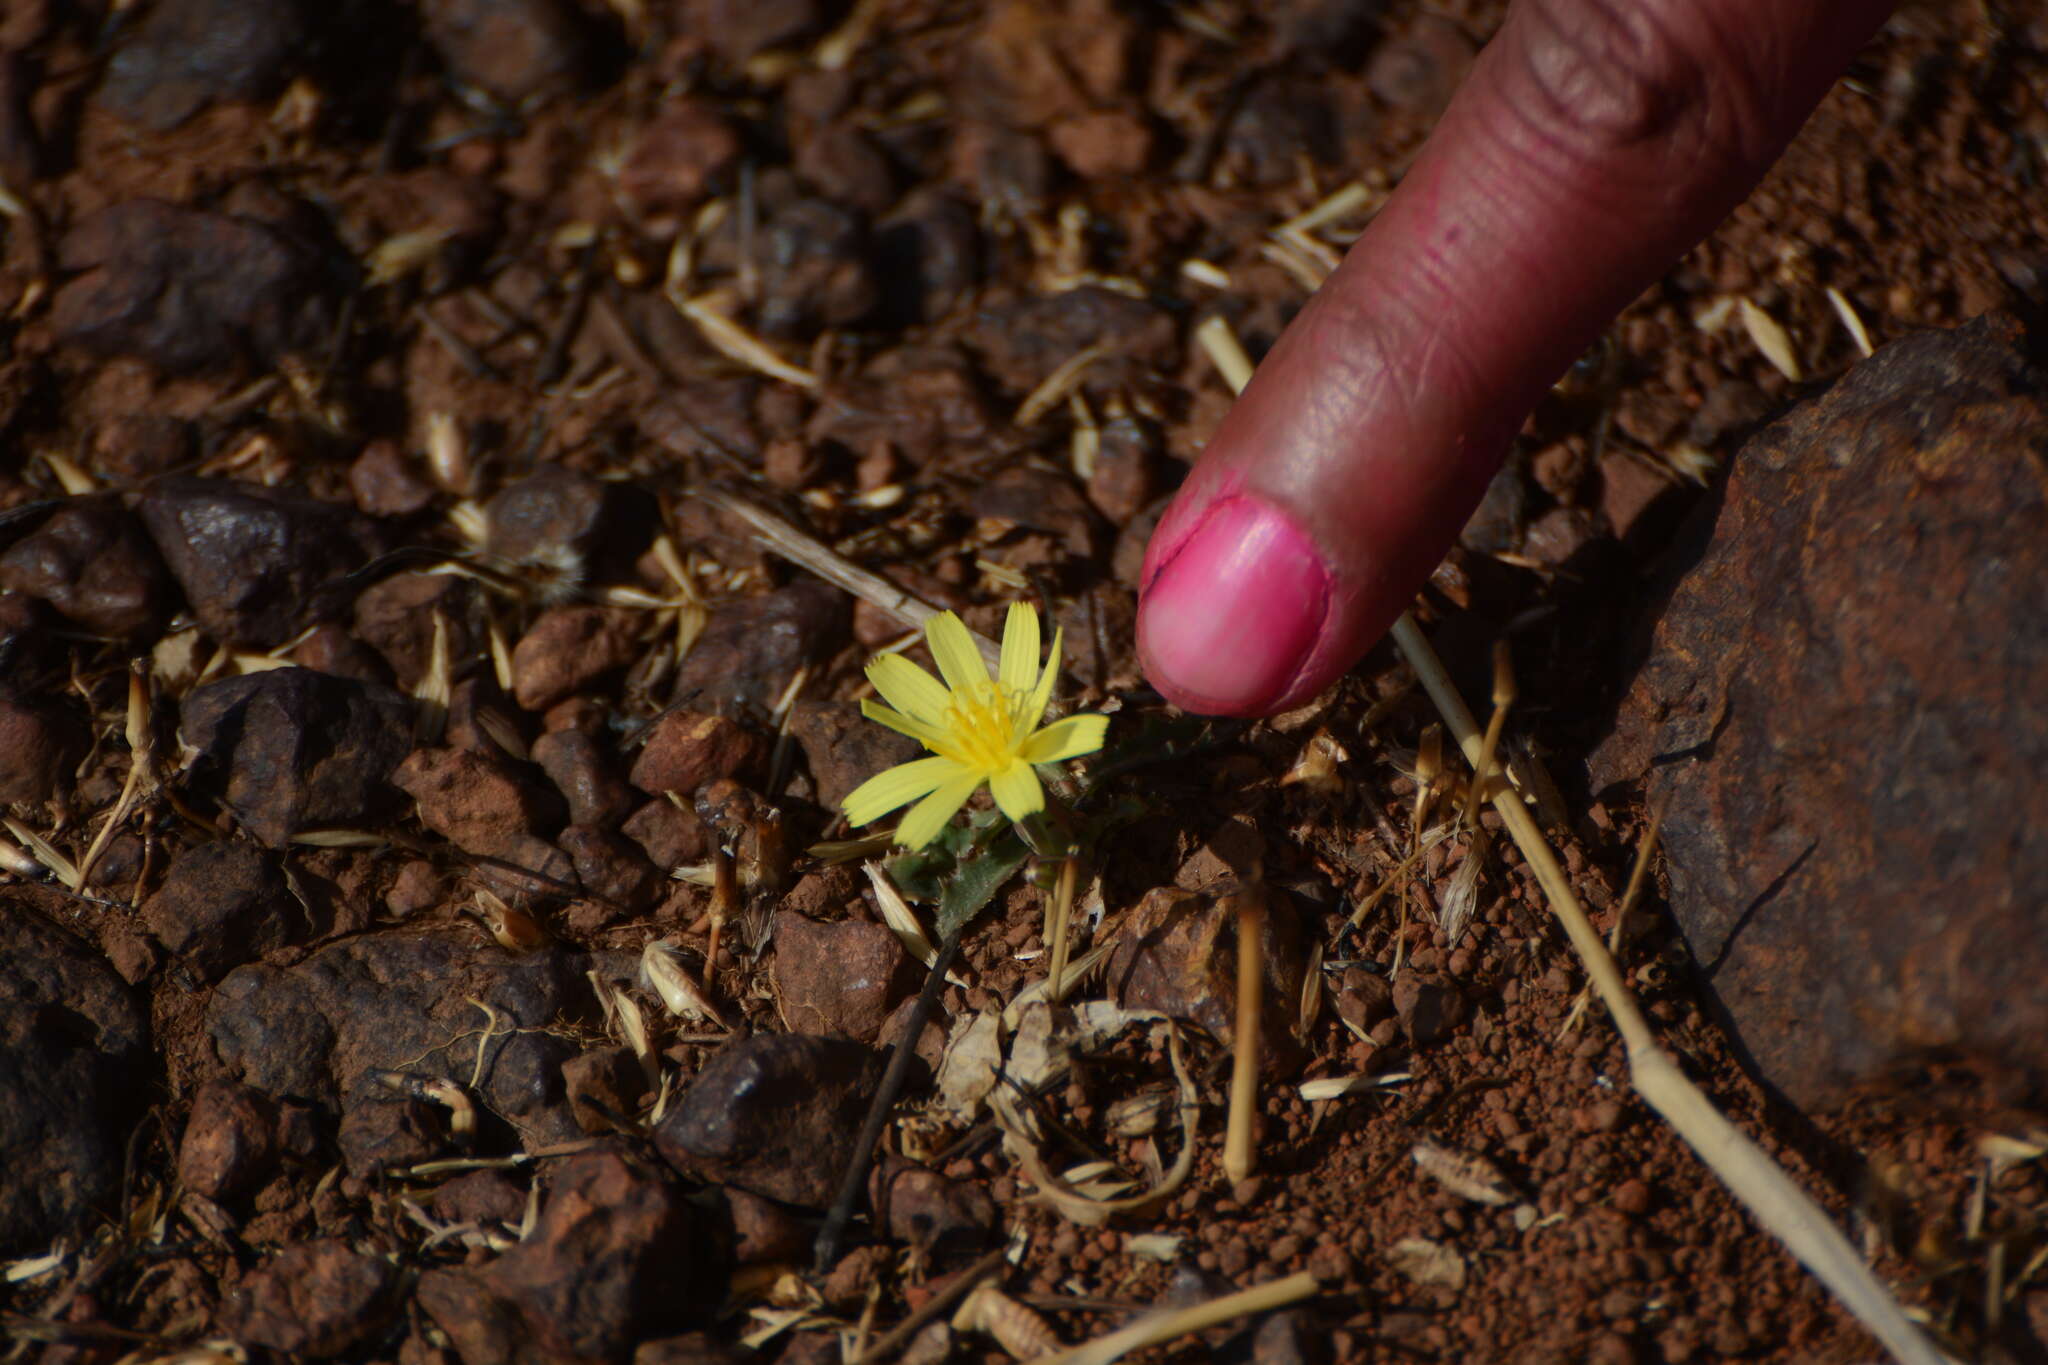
{"type": "Point", "coordinates": [961, 869]}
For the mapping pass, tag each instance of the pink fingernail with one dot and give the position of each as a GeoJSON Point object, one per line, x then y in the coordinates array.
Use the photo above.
{"type": "Point", "coordinates": [1228, 623]}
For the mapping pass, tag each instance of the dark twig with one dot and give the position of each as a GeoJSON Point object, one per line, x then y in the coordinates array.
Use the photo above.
{"type": "Point", "coordinates": [833, 1233]}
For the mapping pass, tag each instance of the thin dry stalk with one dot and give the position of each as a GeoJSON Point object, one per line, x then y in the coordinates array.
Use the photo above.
{"type": "Point", "coordinates": [1772, 1198]}
{"type": "Point", "coordinates": [1155, 1328]}
{"type": "Point", "coordinates": [1059, 927]}
{"type": "Point", "coordinates": [1485, 775]}
{"type": "Point", "coordinates": [1054, 388]}
{"type": "Point", "coordinates": [725, 899]}
{"type": "Point", "coordinates": [779, 537]}
{"type": "Point", "coordinates": [141, 768]}
{"type": "Point", "coordinates": [1225, 352]}
{"type": "Point", "coordinates": [1239, 1159]}
{"type": "Point", "coordinates": [737, 343]}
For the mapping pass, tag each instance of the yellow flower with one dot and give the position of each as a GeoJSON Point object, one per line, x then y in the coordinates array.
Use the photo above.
{"type": "Point", "coordinates": [980, 729]}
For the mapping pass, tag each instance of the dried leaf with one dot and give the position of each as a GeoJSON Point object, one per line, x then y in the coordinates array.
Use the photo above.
{"type": "Point", "coordinates": [1427, 1262]}
{"type": "Point", "coordinates": [1467, 1176]}
{"type": "Point", "coordinates": [971, 1066]}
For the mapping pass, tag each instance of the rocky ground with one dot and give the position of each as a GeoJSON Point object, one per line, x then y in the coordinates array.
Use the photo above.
{"type": "Point", "coordinates": [426, 932]}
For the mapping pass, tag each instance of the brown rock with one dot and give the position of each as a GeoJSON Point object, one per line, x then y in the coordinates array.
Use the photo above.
{"type": "Point", "coordinates": [221, 905]}
{"type": "Point", "coordinates": [316, 1299]}
{"type": "Point", "coordinates": [1427, 1009]}
{"type": "Point", "coordinates": [569, 648]}
{"type": "Point", "coordinates": [331, 649]}
{"type": "Point", "coordinates": [481, 1196]}
{"type": "Point", "coordinates": [395, 617]}
{"type": "Point", "coordinates": [386, 484]}
{"type": "Point", "coordinates": [379, 1132]}
{"type": "Point", "coordinates": [230, 1142]}
{"type": "Point", "coordinates": [583, 772]}
{"type": "Point", "coordinates": [570, 527]}
{"type": "Point", "coordinates": [484, 805]}
{"type": "Point", "coordinates": [1038, 500]}
{"type": "Point", "coordinates": [673, 836]}
{"type": "Point", "coordinates": [738, 30]}
{"type": "Point", "coordinates": [69, 1095]}
{"type": "Point", "coordinates": [686, 749]}
{"type": "Point", "coordinates": [839, 979]}
{"type": "Point", "coordinates": [1856, 904]}
{"type": "Point", "coordinates": [252, 561]}
{"type": "Point", "coordinates": [184, 55]}
{"type": "Point", "coordinates": [818, 270]}
{"type": "Point", "coordinates": [188, 290]}
{"type": "Point", "coordinates": [932, 1213]}
{"type": "Point", "coordinates": [613, 867]}
{"type": "Point", "coordinates": [929, 249]}
{"type": "Point", "coordinates": [518, 50]}
{"type": "Point", "coordinates": [1126, 469]}
{"type": "Point", "coordinates": [844, 749]}
{"type": "Point", "coordinates": [291, 749]}
{"type": "Point", "coordinates": [847, 167]}
{"type": "Point", "coordinates": [1364, 999]}
{"type": "Point", "coordinates": [472, 799]}
{"type": "Point", "coordinates": [774, 1114]}
{"type": "Point", "coordinates": [1023, 342]}
{"type": "Point", "coordinates": [683, 154]}
{"type": "Point", "coordinates": [41, 743]}
{"type": "Point", "coordinates": [604, 1089]}
{"type": "Point", "coordinates": [763, 1230]}
{"type": "Point", "coordinates": [1103, 144]}
{"type": "Point", "coordinates": [1177, 953]}
{"type": "Point", "coordinates": [616, 1257]}
{"type": "Point", "coordinates": [1640, 503]}
{"type": "Point", "coordinates": [93, 563]}
{"type": "Point", "coordinates": [139, 446]}
{"type": "Point", "coordinates": [399, 1002]}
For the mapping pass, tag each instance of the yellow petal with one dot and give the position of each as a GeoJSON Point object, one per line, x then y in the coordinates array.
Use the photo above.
{"type": "Point", "coordinates": [953, 648]}
{"type": "Point", "coordinates": [908, 688]}
{"type": "Point", "coordinates": [899, 786]}
{"type": "Point", "coordinates": [1069, 738]}
{"type": "Point", "coordinates": [1017, 792]}
{"type": "Point", "coordinates": [1020, 649]}
{"type": "Point", "coordinates": [927, 735]}
{"type": "Point", "coordinates": [1033, 709]}
{"type": "Point", "coordinates": [930, 815]}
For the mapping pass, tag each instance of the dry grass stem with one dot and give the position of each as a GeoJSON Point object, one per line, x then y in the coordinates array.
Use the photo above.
{"type": "Point", "coordinates": [141, 768]}
{"type": "Point", "coordinates": [1159, 1327]}
{"type": "Point", "coordinates": [1072, 1203]}
{"type": "Point", "coordinates": [1225, 352]}
{"type": "Point", "coordinates": [1772, 1198]}
{"type": "Point", "coordinates": [779, 537]}
{"type": "Point", "coordinates": [1851, 323]}
{"type": "Point", "coordinates": [1059, 916]}
{"type": "Point", "coordinates": [1054, 388]}
{"type": "Point", "coordinates": [62, 867]}
{"type": "Point", "coordinates": [1239, 1158]}
{"type": "Point", "coordinates": [737, 343]}
{"type": "Point", "coordinates": [1484, 776]}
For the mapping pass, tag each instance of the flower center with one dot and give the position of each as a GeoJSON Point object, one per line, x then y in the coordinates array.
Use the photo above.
{"type": "Point", "coordinates": [981, 728]}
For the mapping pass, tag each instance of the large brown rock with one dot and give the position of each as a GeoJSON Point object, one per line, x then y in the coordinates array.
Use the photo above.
{"type": "Point", "coordinates": [1842, 710]}
{"type": "Point", "coordinates": [618, 1255]}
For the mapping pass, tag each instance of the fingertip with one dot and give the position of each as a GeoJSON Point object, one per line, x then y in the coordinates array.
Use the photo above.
{"type": "Point", "coordinates": [1239, 614]}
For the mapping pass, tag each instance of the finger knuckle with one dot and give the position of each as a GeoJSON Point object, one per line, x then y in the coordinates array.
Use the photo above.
{"type": "Point", "coordinates": [1611, 76]}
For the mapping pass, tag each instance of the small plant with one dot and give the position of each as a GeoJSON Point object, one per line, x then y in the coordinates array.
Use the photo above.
{"type": "Point", "coordinates": [979, 729]}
